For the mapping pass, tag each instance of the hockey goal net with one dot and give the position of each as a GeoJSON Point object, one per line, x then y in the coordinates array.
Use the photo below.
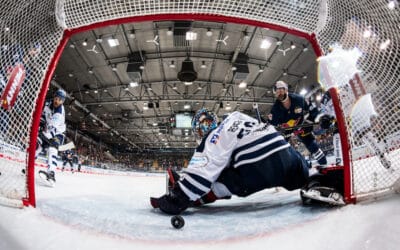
{"type": "Point", "coordinates": [34, 33]}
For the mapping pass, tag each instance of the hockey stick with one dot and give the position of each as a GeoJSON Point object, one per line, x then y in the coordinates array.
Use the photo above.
{"type": "Point", "coordinates": [258, 116]}
{"type": "Point", "coordinates": [296, 127]}
{"type": "Point", "coordinates": [69, 145]}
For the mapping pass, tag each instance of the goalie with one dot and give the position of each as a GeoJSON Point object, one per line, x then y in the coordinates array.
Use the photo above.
{"type": "Point", "coordinates": [240, 156]}
{"type": "Point", "coordinates": [51, 132]}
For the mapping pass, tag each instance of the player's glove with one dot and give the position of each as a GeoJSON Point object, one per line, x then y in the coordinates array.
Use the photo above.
{"type": "Point", "coordinates": [326, 121]}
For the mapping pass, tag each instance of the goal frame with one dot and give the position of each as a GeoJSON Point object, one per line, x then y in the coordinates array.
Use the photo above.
{"type": "Point", "coordinates": [68, 33]}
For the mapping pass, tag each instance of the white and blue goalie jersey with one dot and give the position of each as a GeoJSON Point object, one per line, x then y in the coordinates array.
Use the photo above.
{"type": "Point", "coordinates": [239, 141]}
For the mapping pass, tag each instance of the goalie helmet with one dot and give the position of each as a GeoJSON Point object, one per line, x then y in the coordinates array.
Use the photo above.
{"type": "Point", "coordinates": [203, 122]}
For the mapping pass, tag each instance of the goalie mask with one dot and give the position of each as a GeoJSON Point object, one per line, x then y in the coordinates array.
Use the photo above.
{"type": "Point", "coordinates": [203, 122]}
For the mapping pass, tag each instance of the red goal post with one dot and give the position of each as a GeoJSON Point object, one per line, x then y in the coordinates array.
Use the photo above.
{"type": "Point", "coordinates": [37, 32]}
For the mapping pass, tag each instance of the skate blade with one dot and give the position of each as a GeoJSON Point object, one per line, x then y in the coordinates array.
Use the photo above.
{"type": "Point", "coordinates": [43, 178]}
{"type": "Point", "coordinates": [315, 196]}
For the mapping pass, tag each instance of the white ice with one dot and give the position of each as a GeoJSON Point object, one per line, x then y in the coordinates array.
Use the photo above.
{"type": "Point", "coordinates": [92, 211]}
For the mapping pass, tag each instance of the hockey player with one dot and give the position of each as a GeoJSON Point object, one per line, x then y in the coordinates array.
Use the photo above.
{"type": "Point", "coordinates": [51, 134]}
{"type": "Point", "coordinates": [75, 160]}
{"type": "Point", "coordinates": [68, 158]}
{"type": "Point", "coordinates": [239, 157]}
{"type": "Point", "coordinates": [291, 110]}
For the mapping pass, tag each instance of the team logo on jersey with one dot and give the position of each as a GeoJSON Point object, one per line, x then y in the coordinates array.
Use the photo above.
{"type": "Point", "coordinates": [298, 110]}
{"type": "Point", "coordinates": [198, 161]}
{"type": "Point", "coordinates": [215, 137]}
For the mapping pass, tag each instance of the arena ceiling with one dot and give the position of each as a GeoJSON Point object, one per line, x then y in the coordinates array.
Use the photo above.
{"type": "Point", "coordinates": [125, 95]}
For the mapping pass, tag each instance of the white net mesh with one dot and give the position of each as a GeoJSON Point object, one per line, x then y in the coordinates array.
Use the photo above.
{"type": "Point", "coordinates": [30, 24]}
{"type": "Point", "coordinates": [28, 38]}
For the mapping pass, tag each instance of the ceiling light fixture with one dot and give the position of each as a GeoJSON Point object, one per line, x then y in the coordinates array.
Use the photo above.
{"type": "Point", "coordinates": [279, 42]}
{"type": "Point", "coordinates": [84, 43]}
{"type": "Point", "coordinates": [303, 92]}
{"type": "Point", "coordinates": [384, 44]}
{"type": "Point", "coordinates": [169, 31]}
{"type": "Point", "coordinates": [242, 85]}
{"type": "Point", "coordinates": [99, 40]}
{"type": "Point", "coordinates": [367, 32]}
{"type": "Point", "coordinates": [155, 41]}
{"type": "Point", "coordinates": [113, 42]}
{"type": "Point", "coordinates": [392, 4]}
{"type": "Point", "coordinates": [265, 44]}
{"type": "Point", "coordinates": [292, 45]}
{"type": "Point", "coordinates": [203, 65]}
{"type": "Point", "coordinates": [114, 68]}
{"type": "Point", "coordinates": [133, 84]}
{"type": "Point", "coordinates": [132, 34]}
{"type": "Point", "coordinates": [191, 36]}
{"type": "Point", "coordinates": [188, 83]}
{"type": "Point", "coordinates": [172, 64]}
{"type": "Point", "coordinates": [209, 32]}
{"type": "Point", "coordinates": [224, 41]}
{"type": "Point", "coordinates": [90, 70]}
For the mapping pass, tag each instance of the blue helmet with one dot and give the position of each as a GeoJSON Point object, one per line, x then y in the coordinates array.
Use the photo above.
{"type": "Point", "coordinates": [203, 122]}
{"type": "Point", "coordinates": [61, 94]}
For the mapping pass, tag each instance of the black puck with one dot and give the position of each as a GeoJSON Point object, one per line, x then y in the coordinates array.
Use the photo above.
{"type": "Point", "coordinates": [177, 221]}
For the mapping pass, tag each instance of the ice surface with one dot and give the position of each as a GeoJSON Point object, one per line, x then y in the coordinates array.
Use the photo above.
{"type": "Point", "coordinates": [90, 211]}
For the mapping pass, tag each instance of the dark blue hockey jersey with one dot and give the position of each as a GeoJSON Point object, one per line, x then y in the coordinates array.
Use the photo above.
{"type": "Point", "coordinates": [289, 117]}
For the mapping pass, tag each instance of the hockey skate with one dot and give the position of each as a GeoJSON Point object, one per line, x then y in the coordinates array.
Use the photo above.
{"type": "Point", "coordinates": [48, 178]}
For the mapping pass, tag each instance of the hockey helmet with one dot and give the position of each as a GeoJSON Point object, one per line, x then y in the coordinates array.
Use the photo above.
{"type": "Point", "coordinates": [203, 122]}
{"type": "Point", "coordinates": [280, 85]}
{"type": "Point", "coordinates": [61, 94]}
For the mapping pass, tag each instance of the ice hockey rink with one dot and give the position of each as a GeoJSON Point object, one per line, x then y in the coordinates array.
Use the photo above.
{"type": "Point", "coordinates": [111, 210]}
